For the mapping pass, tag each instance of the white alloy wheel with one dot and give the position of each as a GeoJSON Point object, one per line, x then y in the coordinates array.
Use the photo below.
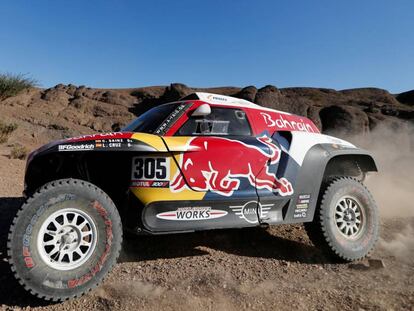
{"type": "Point", "coordinates": [67, 239]}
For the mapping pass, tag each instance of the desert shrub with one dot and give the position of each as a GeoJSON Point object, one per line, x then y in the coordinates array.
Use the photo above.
{"type": "Point", "coordinates": [13, 84]}
{"type": "Point", "coordinates": [6, 130]}
{"type": "Point", "coordinates": [18, 152]}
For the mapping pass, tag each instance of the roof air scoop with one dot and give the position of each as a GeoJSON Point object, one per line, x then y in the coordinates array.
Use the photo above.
{"type": "Point", "coordinates": [202, 111]}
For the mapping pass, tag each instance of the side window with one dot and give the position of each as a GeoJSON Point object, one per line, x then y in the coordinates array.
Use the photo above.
{"type": "Point", "coordinates": [220, 122]}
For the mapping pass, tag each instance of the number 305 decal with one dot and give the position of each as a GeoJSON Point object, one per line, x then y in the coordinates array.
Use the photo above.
{"type": "Point", "coordinates": [150, 172]}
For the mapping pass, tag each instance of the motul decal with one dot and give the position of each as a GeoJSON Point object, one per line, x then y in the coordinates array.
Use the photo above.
{"type": "Point", "coordinates": [150, 184]}
{"type": "Point", "coordinates": [251, 211]}
{"type": "Point", "coordinates": [192, 213]}
{"type": "Point", "coordinates": [204, 170]}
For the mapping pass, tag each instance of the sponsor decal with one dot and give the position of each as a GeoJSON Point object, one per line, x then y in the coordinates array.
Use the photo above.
{"type": "Point", "coordinates": [114, 143]}
{"type": "Point", "coordinates": [171, 119]}
{"type": "Point", "coordinates": [215, 97]}
{"type": "Point", "coordinates": [109, 237]}
{"type": "Point", "coordinates": [28, 260]}
{"type": "Point", "coordinates": [150, 172]}
{"type": "Point", "coordinates": [300, 213]}
{"type": "Point", "coordinates": [101, 136]}
{"type": "Point", "coordinates": [303, 198]}
{"type": "Point", "coordinates": [282, 123]}
{"type": "Point", "coordinates": [81, 147]}
{"type": "Point", "coordinates": [214, 168]}
{"type": "Point", "coordinates": [150, 184]}
{"type": "Point", "coordinates": [102, 141]}
{"type": "Point", "coordinates": [192, 213]}
{"type": "Point", "coordinates": [302, 205]}
{"type": "Point", "coordinates": [251, 211]}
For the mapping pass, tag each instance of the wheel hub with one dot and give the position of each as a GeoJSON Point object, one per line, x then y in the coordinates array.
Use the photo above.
{"type": "Point", "coordinates": [349, 217]}
{"type": "Point", "coordinates": [66, 239]}
{"type": "Point", "coordinates": [69, 238]}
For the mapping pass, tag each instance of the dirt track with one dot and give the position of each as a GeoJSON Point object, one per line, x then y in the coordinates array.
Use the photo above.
{"type": "Point", "coordinates": [277, 268]}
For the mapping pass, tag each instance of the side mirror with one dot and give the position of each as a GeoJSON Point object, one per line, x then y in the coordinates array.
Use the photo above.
{"type": "Point", "coordinates": [202, 111]}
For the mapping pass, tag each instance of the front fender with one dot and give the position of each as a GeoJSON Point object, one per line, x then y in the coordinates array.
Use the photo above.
{"type": "Point", "coordinates": [49, 159]}
{"type": "Point", "coordinates": [321, 161]}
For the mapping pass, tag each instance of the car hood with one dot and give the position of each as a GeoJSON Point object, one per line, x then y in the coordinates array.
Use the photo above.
{"type": "Point", "coordinates": [117, 141]}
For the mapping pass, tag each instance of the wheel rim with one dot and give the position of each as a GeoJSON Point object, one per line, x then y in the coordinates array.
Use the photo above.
{"type": "Point", "coordinates": [349, 217]}
{"type": "Point", "coordinates": [67, 239]}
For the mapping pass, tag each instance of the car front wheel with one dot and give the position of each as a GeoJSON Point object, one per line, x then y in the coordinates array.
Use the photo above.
{"type": "Point", "coordinates": [64, 239]}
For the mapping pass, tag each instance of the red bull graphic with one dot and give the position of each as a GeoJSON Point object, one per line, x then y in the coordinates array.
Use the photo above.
{"type": "Point", "coordinates": [215, 167]}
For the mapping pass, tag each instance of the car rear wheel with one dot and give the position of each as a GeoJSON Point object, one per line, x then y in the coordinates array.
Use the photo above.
{"type": "Point", "coordinates": [64, 239]}
{"type": "Point", "coordinates": [346, 222]}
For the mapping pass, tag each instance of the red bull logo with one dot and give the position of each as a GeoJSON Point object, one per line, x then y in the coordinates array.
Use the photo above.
{"type": "Point", "coordinates": [215, 166]}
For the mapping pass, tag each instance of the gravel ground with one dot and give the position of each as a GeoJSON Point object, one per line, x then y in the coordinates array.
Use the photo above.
{"type": "Point", "coordinates": [258, 269]}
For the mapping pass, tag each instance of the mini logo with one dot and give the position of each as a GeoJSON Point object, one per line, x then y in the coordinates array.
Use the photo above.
{"type": "Point", "coordinates": [251, 210]}
{"type": "Point", "coordinates": [192, 213]}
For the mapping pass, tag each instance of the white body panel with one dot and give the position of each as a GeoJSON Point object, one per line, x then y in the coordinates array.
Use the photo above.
{"type": "Point", "coordinates": [217, 99]}
{"type": "Point", "coordinates": [303, 141]}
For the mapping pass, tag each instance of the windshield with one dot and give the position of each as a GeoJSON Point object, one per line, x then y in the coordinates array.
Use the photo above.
{"type": "Point", "coordinates": [157, 120]}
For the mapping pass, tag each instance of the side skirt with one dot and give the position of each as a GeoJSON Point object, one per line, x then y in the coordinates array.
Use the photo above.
{"type": "Point", "coordinates": [189, 216]}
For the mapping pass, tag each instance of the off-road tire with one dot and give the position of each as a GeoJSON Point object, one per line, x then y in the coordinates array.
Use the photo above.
{"type": "Point", "coordinates": [26, 257]}
{"type": "Point", "coordinates": [325, 233]}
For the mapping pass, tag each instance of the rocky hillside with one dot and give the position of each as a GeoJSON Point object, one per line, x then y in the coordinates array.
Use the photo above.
{"type": "Point", "coordinates": [253, 269]}
{"type": "Point", "coordinates": [42, 115]}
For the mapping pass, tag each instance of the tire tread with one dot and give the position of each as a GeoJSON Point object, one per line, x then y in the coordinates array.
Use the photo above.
{"type": "Point", "coordinates": [48, 186]}
{"type": "Point", "coordinates": [316, 229]}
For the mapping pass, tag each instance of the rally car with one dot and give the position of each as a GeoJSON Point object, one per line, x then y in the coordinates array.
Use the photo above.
{"type": "Point", "coordinates": [205, 162]}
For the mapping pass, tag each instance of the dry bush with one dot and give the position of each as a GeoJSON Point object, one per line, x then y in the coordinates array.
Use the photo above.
{"type": "Point", "coordinates": [13, 84]}
{"type": "Point", "coordinates": [6, 130]}
{"type": "Point", "coordinates": [18, 152]}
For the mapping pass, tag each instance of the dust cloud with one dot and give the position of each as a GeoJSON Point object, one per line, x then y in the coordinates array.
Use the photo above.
{"type": "Point", "coordinates": [401, 244]}
{"type": "Point", "coordinates": [129, 289]}
{"type": "Point", "coordinates": [153, 297]}
{"type": "Point", "coordinates": [392, 146]}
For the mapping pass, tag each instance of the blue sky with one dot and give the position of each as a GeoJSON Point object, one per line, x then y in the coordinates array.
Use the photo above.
{"type": "Point", "coordinates": [335, 44]}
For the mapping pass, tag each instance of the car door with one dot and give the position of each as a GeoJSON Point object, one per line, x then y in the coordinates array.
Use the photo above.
{"type": "Point", "coordinates": [223, 159]}
{"type": "Point", "coordinates": [275, 173]}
